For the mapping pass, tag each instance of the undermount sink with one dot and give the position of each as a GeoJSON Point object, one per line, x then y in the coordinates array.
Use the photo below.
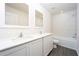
{"type": "Point", "coordinates": [31, 36]}
{"type": "Point", "coordinates": [27, 38]}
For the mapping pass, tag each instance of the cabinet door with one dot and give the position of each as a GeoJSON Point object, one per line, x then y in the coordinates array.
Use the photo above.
{"type": "Point", "coordinates": [47, 45]}
{"type": "Point", "coordinates": [35, 48]}
{"type": "Point", "coordinates": [15, 51]}
{"type": "Point", "coordinates": [21, 52]}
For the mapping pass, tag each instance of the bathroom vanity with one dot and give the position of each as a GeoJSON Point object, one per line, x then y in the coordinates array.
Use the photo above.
{"type": "Point", "coordinates": [37, 45]}
{"type": "Point", "coordinates": [17, 15]}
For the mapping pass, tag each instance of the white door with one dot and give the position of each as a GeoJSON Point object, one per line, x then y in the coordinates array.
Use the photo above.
{"type": "Point", "coordinates": [35, 48]}
{"type": "Point", "coordinates": [47, 45]}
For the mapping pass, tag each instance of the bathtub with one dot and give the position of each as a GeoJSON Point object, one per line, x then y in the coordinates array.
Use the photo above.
{"type": "Point", "coordinates": [67, 42]}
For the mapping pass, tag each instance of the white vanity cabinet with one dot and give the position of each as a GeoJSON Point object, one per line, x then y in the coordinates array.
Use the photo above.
{"type": "Point", "coordinates": [35, 48]}
{"type": "Point", "coordinates": [47, 45]}
{"type": "Point", "coordinates": [15, 51]}
{"type": "Point", "coordinates": [22, 52]}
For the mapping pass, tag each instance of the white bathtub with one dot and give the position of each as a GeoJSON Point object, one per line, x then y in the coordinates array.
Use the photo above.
{"type": "Point", "coordinates": [66, 42]}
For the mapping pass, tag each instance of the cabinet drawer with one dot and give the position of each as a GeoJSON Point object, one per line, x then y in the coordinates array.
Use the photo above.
{"type": "Point", "coordinates": [11, 50]}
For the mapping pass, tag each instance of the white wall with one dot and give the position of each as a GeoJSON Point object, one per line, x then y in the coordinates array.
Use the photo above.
{"type": "Point", "coordinates": [64, 27]}
{"type": "Point", "coordinates": [2, 14]}
{"type": "Point", "coordinates": [78, 29]}
{"type": "Point", "coordinates": [11, 32]}
{"type": "Point", "coordinates": [64, 24]}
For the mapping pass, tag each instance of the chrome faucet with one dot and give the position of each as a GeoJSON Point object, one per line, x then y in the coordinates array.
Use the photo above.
{"type": "Point", "coordinates": [21, 35]}
{"type": "Point", "coordinates": [40, 32]}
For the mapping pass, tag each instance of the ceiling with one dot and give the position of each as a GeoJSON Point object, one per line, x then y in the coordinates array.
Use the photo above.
{"type": "Point", "coordinates": [56, 8]}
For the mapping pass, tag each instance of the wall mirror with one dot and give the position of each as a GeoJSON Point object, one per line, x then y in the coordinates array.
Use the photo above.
{"type": "Point", "coordinates": [16, 14]}
{"type": "Point", "coordinates": [38, 19]}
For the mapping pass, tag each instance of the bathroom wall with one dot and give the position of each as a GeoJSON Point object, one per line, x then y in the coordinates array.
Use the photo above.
{"type": "Point", "coordinates": [78, 29]}
{"type": "Point", "coordinates": [64, 27]}
{"type": "Point", "coordinates": [13, 32]}
{"type": "Point", "coordinates": [64, 24]}
{"type": "Point", "coordinates": [2, 14]}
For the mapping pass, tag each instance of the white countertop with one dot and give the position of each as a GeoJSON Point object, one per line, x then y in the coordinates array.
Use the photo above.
{"type": "Point", "coordinates": [11, 42]}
